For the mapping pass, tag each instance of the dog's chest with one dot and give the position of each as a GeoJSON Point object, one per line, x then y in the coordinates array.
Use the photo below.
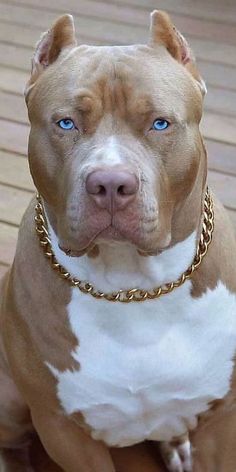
{"type": "Point", "coordinates": [148, 369]}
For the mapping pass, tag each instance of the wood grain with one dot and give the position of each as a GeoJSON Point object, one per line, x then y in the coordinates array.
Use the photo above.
{"type": "Point", "coordinates": [15, 171]}
{"type": "Point", "coordinates": [13, 203]}
{"type": "Point", "coordinates": [14, 136]}
{"type": "Point", "coordinates": [12, 107]}
{"type": "Point", "coordinates": [128, 14]}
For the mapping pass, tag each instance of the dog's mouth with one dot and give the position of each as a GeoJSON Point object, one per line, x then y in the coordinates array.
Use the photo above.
{"type": "Point", "coordinates": [107, 234]}
{"type": "Point", "coordinates": [111, 234]}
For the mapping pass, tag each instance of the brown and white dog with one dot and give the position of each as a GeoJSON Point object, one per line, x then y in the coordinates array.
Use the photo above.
{"type": "Point", "coordinates": [116, 154]}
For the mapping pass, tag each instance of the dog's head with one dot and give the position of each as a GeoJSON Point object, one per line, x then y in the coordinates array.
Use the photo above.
{"type": "Point", "coordinates": [115, 148]}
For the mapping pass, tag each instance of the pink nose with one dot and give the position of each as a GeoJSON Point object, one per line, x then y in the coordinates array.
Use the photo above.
{"type": "Point", "coordinates": [112, 189]}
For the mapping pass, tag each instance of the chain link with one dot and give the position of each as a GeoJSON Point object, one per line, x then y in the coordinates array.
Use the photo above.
{"type": "Point", "coordinates": [133, 294]}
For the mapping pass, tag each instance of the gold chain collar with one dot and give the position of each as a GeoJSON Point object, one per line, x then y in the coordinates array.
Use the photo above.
{"type": "Point", "coordinates": [134, 294]}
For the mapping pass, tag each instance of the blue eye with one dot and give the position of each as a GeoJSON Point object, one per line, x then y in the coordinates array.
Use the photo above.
{"type": "Point", "coordinates": [66, 124]}
{"type": "Point", "coordinates": [160, 125]}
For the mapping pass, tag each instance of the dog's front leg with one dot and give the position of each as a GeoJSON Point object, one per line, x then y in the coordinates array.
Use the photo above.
{"type": "Point", "coordinates": [177, 454]}
{"type": "Point", "coordinates": [69, 446]}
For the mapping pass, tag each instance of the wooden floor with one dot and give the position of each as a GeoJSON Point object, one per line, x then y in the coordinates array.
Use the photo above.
{"type": "Point", "coordinates": [210, 27]}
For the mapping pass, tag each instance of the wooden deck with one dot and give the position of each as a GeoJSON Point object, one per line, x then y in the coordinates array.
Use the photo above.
{"type": "Point", "coordinates": [210, 27]}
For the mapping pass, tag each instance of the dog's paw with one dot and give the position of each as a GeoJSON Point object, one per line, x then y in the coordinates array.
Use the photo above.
{"type": "Point", "coordinates": [177, 455]}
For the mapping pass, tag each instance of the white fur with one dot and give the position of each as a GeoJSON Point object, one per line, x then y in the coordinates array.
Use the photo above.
{"type": "Point", "coordinates": [185, 453]}
{"type": "Point", "coordinates": [111, 151]}
{"type": "Point", "coordinates": [177, 458]}
{"type": "Point", "coordinates": [175, 463]}
{"type": "Point", "coordinates": [108, 154]}
{"type": "Point", "coordinates": [147, 369]}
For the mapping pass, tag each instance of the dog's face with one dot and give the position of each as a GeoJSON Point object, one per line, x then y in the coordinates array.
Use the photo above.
{"type": "Point", "coordinates": [114, 145]}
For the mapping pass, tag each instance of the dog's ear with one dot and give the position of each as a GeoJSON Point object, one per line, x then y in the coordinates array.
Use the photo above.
{"type": "Point", "coordinates": [164, 32]}
{"type": "Point", "coordinates": [51, 44]}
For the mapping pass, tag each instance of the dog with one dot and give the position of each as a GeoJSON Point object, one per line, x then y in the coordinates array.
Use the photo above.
{"type": "Point", "coordinates": [118, 316]}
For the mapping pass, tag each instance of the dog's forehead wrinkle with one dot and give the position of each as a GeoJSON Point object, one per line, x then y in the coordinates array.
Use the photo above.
{"type": "Point", "coordinates": [117, 75]}
{"type": "Point", "coordinates": [155, 89]}
{"type": "Point", "coordinates": [109, 61]}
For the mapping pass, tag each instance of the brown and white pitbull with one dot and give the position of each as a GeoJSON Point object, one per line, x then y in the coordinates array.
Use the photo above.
{"type": "Point", "coordinates": [116, 154]}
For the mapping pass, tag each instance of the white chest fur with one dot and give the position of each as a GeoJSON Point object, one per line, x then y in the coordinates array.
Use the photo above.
{"type": "Point", "coordinates": [148, 369]}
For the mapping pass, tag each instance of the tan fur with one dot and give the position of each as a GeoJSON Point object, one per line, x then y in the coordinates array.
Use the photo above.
{"type": "Point", "coordinates": [211, 269]}
{"type": "Point", "coordinates": [51, 44]}
{"type": "Point", "coordinates": [118, 106]}
{"type": "Point", "coordinates": [162, 32]}
{"type": "Point", "coordinates": [106, 91]}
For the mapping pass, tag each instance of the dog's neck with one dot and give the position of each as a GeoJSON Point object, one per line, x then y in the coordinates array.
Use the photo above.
{"type": "Point", "coordinates": [120, 266]}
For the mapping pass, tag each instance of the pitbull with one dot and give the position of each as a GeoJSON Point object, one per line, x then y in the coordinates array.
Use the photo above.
{"type": "Point", "coordinates": [118, 316]}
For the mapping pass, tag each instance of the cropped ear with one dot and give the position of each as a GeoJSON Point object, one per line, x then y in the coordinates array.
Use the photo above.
{"type": "Point", "coordinates": [52, 42]}
{"type": "Point", "coordinates": [164, 32]}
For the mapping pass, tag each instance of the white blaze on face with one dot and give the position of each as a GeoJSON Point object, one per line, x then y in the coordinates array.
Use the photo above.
{"type": "Point", "coordinates": [112, 151]}
{"type": "Point", "coordinates": [109, 154]}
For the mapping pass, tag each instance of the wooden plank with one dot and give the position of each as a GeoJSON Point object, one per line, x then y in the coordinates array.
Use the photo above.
{"type": "Point", "coordinates": [225, 188]}
{"type": "Point", "coordinates": [218, 75]}
{"type": "Point", "coordinates": [209, 51]}
{"type": "Point", "coordinates": [8, 240]}
{"type": "Point", "coordinates": [100, 31]}
{"type": "Point", "coordinates": [219, 128]}
{"type": "Point", "coordinates": [20, 34]}
{"type": "Point", "coordinates": [202, 28]}
{"type": "Point", "coordinates": [26, 37]}
{"type": "Point", "coordinates": [221, 157]}
{"type": "Point", "coordinates": [25, 16]}
{"type": "Point", "coordinates": [217, 11]}
{"type": "Point", "coordinates": [131, 15]}
{"type": "Point", "coordinates": [15, 56]}
{"type": "Point", "coordinates": [110, 31]}
{"type": "Point", "coordinates": [12, 81]}
{"type": "Point", "coordinates": [220, 100]}
{"type": "Point", "coordinates": [87, 8]}
{"type": "Point", "coordinates": [14, 137]}
{"type": "Point", "coordinates": [13, 203]}
{"type": "Point", "coordinates": [15, 171]}
{"type": "Point", "coordinates": [97, 29]}
{"type": "Point", "coordinates": [12, 107]}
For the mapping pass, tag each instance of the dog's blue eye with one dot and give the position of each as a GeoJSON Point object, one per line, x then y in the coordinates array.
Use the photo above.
{"type": "Point", "coordinates": [66, 124]}
{"type": "Point", "coordinates": [160, 125]}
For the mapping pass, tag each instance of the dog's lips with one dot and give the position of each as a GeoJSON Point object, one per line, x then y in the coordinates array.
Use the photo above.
{"type": "Point", "coordinates": [109, 233]}
{"type": "Point", "coordinates": [106, 235]}
{"type": "Point", "coordinates": [101, 228]}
